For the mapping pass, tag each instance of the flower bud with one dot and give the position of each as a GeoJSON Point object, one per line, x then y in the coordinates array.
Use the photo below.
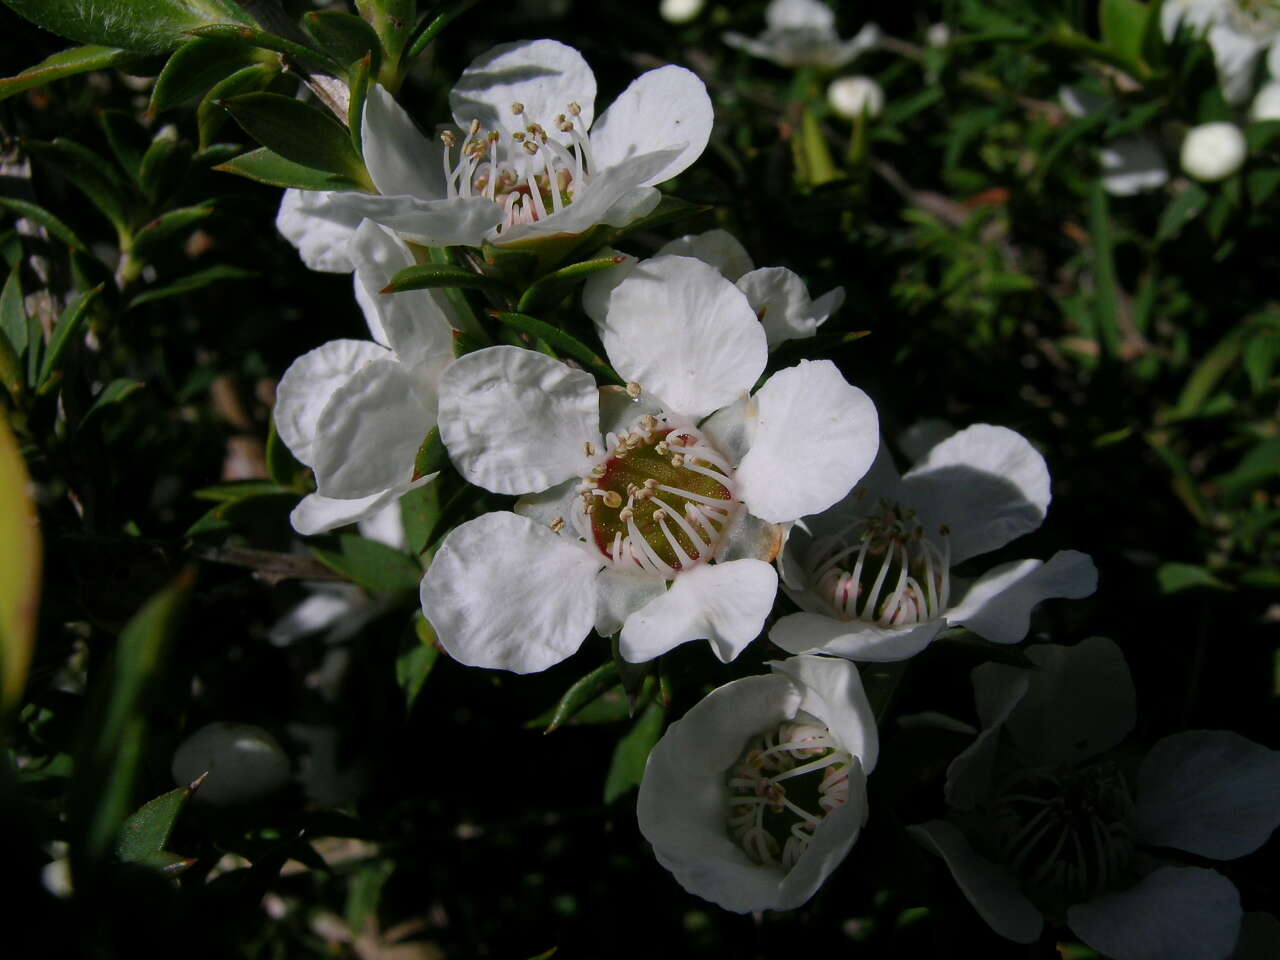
{"type": "Point", "coordinates": [1213, 151]}
{"type": "Point", "coordinates": [938, 34]}
{"type": "Point", "coordinates": [1266, 105]}
{"type": "Point", "coordinates": [852, 97]}
{"type": "Point", "coordinates": [244, 763]}
{"type": "Point", "coordinates": [680, 11]}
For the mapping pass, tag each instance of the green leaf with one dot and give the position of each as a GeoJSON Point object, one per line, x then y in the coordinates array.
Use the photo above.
{"type": "Point", "coordinates": [165, 230]}
{"type": "Point", "coordinates": [13, 311]}
{"type": "Point", "coordinates": [1257, 467]}
{"type": "Point", "coordinates": [234, 490]}
{"type": "Point", "coordinates": [344, 36]}
{"type": "Point", "coordinates": [298, 132]}
{"type": "Point", "coordinates": [1124, 29]}
{"type": "Point", "coordinates": [364, 890]}
{"type": "Point", "coordinates": [424, 276]}
{"type": "Point", "coordinates": [65, 63]}
{"type": "Point", "coordinates": [127, 138]}
{"type": "Point", "coordinates": [266, 167]}
{"type": "Point", "coordinates": [111, 750]}
{"type": "Point", "coordinates": [420, 512]}
{"type": "Point", "coordinates": [164, 166]}
{"type": "Point", "coordinates": [192, 282]}
{"type": "Point", "coordinates": [147, 831]}
{"type": "Point", "coordinates": [431, 457]}
{"type": "Point", "coordinates": [432, 28]}
{"type": "Point", "coordinates": [64, 333]}
{"type": "Point", "coordinates": [282, 467]}
{"type": "Point", "coordinates": [20, 566]}
{"type": "Point", "coordinates": [89, 173]}
{"type": "Point", "coordinates": [1070, 134]}
{"type": "Point", "coordinates": [144, 26]}
{"type": "Point", "coordinates": [195, 68]}
{"type": "Point", "coordinates": [1204, 379]}
{"type": "Point", "coordinates": [360, 77]}
{"type": "Point", "coordinates": [40, 215]}
{"type": "Point", "coordinates": [263, 40]}
{"type": "Point", "coordinates": [415, 664]}
{"type": "Point", "coordinates": [583, 692]}
{"type": "Point", "coordinates": [1261, 184]}
{"type": "Point", "coordinates": [393, 20]}
{"type": "Point", "coordinates": [881, 681]}
{"type": "Point", "coordinates": [211, 116]}
{"type": "Point", "coordinates": [1105, 307]}
{"type": "Point", "coordinates": [563, 342]}
{"type": "Point", "coordinates": [113, 393]}
{"type": "Point", "coordinates": [1174, 577]}
{"type": "Point", "coordinates": [1260, 356]}
{"type": "Point", "coordinates": [1184, 208]}
{"type": "Point", "coordinates": [373, 565]}
{"type": "Point", "coordinates": [627, 766]}
{"type": "Point", "coordinates": [551, 288]}
{"type": "Point", "coordinates": [231, 515]}
{"type": "Point", "coordinates": [11, 375]}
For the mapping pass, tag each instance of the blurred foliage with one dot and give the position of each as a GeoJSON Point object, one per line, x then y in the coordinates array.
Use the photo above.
{"type": "Point", "coordinates": [150, 308]}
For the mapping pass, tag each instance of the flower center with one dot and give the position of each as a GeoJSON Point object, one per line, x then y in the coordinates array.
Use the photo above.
{"type": "Point", "coordinates": [780, 777]}
{"type": "Point", "coordinates": [1068, 834]}
{"type": "Point", "coordinates": [660, 499]}
{"type": "Point", "coordinates": [882, 569]}
{"type": "Point", "coordinates": [530, 172]}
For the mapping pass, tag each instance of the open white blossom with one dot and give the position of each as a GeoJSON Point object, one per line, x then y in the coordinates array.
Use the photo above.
{"type": "Point", "coordinates": [1266, 105]}
{"type": "Point", "coordinates": [803, 33]}
{"type": "Point", "coordinates": [1238, 31]}
{"type": "Point", "coordinates": [759, 791]}
{"type": "Point", "coordinates": [855, 97]}
{"type": "Point", "coordinates": [873, 575]}
{"type": "Point", "coordinates": [357, 411]}
{"type": "Point", "coordinates": [652, 515]}
{"type": "Point", "coordinates": [522, 161]}
{"type": "Point", "coordinates": [1213, 151]}
{"type": "Point", "coordinates": [1052, 827]}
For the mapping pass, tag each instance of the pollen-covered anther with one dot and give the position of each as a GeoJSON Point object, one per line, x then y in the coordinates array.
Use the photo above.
{"type": "Point", "coordinates": [633, 391]}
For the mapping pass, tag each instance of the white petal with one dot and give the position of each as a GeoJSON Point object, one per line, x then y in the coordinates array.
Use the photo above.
{"type": "Point", "coordinates": [439, 223]}
{"type": "Point", "coordinates": [619, 411]}
{"type": "Point", "coordinates": [1077, 705]}
{"type": "Point", "coordinates": [987, 484]}
{"type": "Point", "coordinates": [732, 429]}
{"type": "Point", "coordinates": [793, 14]}
{"type": "Point", "coordinates": [401, 161]}
{"type": "Point", "coordinates": [600, 286]}
{"type": "Point", "coordinates": [855, 640]}
{"type": "Point", "coordinates": [990, 888]}
{"type": "Point", "coordinates": [684, 796]}
{"type": "Point", "coordinates": [1211, 792]}
{"type": "Point", "coordinates": [831, 843]}
{"type": "Point", "coordinates": [385, 526]}
{"type": "Point", "coordinates": [998, 689]}
{"type": "Point", "coordinates": [506, 593]}
{"type": "Point", "coordinates": [751, 538]}
{"type": "Point", "coordinates": [998, 604]}
{"type": "Point", "coordinates": [315, 514]}
{"type": "Point", "coordinates": [548, 506]}
{"type": "Point", "coordinates": [542, 75]}
{"type": "Point", "coordinates": [369, 432]}
{"type": "Point", "coordinates": [684, 333]}
{"type": "Point", "coordinates": [307, 386]}
{"type": "Point", "coordinates": [620, 593]}
{"type": "Point", "coordinates": [725, 603]}
{"type": "Point", "coordinates": [833, 693]}
{"type": "Point", "coordinates": [1235, 55]}
{"type": "Point", "coordinates": [415, 323]}
{"type": "Point", "coordinates": [516, 421]}
{"type": "Point", "coordinates": [661, 109]}
{"type": "Point", "coordinates": [319, 223]}
{"type": "Point", "coordinates": [815, 437]}
{"type": "Point", "coordinates": [781, 301]}
{"type": "Point", "coordinates": [718, 247]}
{"type": "Point", "coordinates": [318, 611]}
{"type": "Point", "coordinates": [1132, 165]}
{"type": "Point", "coordinates": [1184, 912]}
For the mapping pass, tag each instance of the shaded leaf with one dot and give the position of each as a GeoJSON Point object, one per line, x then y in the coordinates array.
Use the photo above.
{"type": "Point", "coordinates": [20, 566]}
{"type": "Point", "coordinates": [165, 229]}
{"type": "Point", "coordinates": [424, 276]}
{"type": "Point", "coordinates": [147, 830]}
{"type": "Point", "coordinates": [298, 132]}
{"type": "Point", "coordinates": [65, 63]}
{"type": "Point", "coordinates": [343, 36]}
{"type": "Point", "coordinates": [564, 343]}
{"type": "Point", "coordinates": [626, 768]}
{"type": "Point", "coordinates": [164, 167]}
{"type": "Point", "coordinates": [415, 664]}
{"type": "Point", "coordinates": [127, 138]}
{"type": "Point", "coordinates": [431, 456]}
{"type": "Point", "coordinates": [114, 392]}
{"type": "Point", "coordinates": [64, 333]}
{"type": "Point", "coordinates": [267, 167]}
{"type": "Point", "coordinates": [550, 289]}
{"type": "Point", "coordinates": [194, 69]}
{"type": "Point", "coordinates": [46, 219]}
{"type": "Point", "coordinates": [373, 565]}
{"type": "Point", "coordinates": [145, 26]}
{"type": "Point", "coordinates": [1173, 577]}
{"type": "Point", "coordinates": [210, 115]}
{"type": "Point", "coordinates": [191, 282]}
{"type": "Point", "coordinates": [1184, 208]}
{"type": "Point", "coordinates": [13, 312]}
{"type": "Point", "coordinates": [268, 41]}
{"type": "Point", "coordinates": [88, 173]}
{"type": "Point", "coordinates": [583, 692]}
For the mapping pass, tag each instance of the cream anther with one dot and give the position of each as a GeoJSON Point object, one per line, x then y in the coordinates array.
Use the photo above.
{"type": "Point", "coordinates": [633, 391]}
{"type": "Point", "coordinates": [517, 108]}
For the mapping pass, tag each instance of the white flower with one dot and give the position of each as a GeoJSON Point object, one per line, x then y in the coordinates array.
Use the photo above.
{"type": "Point", "coordinates": [524, 161]}
{"type": "Point", "coordinates": [1266, 105]}
{"type": "Point", "coordinates": [714, 799]}
{"type": "Point", "coordinates": [854, 97]}
{"type": "Point", "coordinates": [873, 574]}
{"type": "Point", "coordinates": [1207, 792]}
{"type": "Point", "coordinates": [1238, 31]}
{"type": "Point", "coordinates": [243, 762]}
{"type": "Point", "coordinates": [636, 496]}
{"type": "Point", "coordinates": [680, 11]}
{"type": "Point", "coordinates": [938, 35]}
{"type": "Point", "coordinates": [1213, 151]}
{"type": "Point", "coordinates": [1130, 164]}
{"type": "Point", "coordinates": [357, 411]}
{"type": "Point", "coordinates": [801, 33]}
{"type": "Point", "coordinates": [777, 295]}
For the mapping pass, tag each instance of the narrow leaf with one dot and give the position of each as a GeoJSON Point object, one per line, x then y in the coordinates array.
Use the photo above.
{"type": "Point", "coordinates": [13, 312]}
{"type": "Point", "coordinates": [211, 116]}
{"type": "Point", "coordinates": [64, 333]}
{"type": "Point", "coordinates": [626, 768]}
{"type": "Point", "coordinates": [192, 282]}
{"type": "Point", "coordinates": [164, 166]}
{"type": "Point", "coordinates": [127, 138]}
{"type": "Point", "coordinates": [65, 63]}
{"type": "Point", "coordinates": [550, 289]}
{"type": "Point", "coordinates": [297, 132]}
{"type": "Point", "coordinates": [268, 41]}
{"type": "Point", "coordinates": [20, 566]}
{"type": "Point", "coordinates": [415, 664]}
{"type": "Point", "coordinates": [1184, 208]}
{"type": "Point", "coordinates": [1174, 577]}
{"type": "Point", "coordinates": [89, 173]}
{"type": "Point", "coordinates": [343, 36]}
{"type": "Point", "coordinates": [583, 692]}
{"type": "Point", "coordinates": [432, 29]}
{"type": "Point", "coordinates": [267, 167]}
{"type": "Point", "coordinates": [194, 69]}
{"type": "Point", "coordinates": [40, 215]}
{"type": "Point", "coordinates": [373, 565]}
{"type": "Point", "coordinates": [431, 457]}
{"type": "Point", "coordinates": [563, 342]}
{"type": "Point", "coordinates": [144, 26]}
{"type": "Point", "coordinates": [113, 393]}
{"type": "Point", "coordinates": [282, 467]}
{"type": "Point", "coordinates": [429, 275]}
{"type": "Point", "coordinates": [167, 228]}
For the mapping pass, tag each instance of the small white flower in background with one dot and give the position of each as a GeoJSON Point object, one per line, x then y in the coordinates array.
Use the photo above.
{"type": "Point", "coordinates": [759, 791]}
{"type": "Point", "coordinates": [357, 411]}
{"type": "Point", "coordinates": [803, 33]}
{"type": "Point", "coordinates": [777, 295]}
{"type": "Point", "coordinates": [1266, 105]}
{"type": "Point", "coordinates": [1130, 164]}
{"type": "Point", "coordinates": [1238, 31]}
{"type": "Point", "coordinates": [653, 506]}
{"type": "Point", "coordinates": [524, 161]}
{"type": "Point", "coordinates": [680, 11]}
{"type": "Point", "coordinates": [1062, 831]}
{"type": "Point", "coordinates": [1213, 151]}
{"type": "Point", "coordinates": [244, 763]}
{"type": "Point", "coordinates": [938, 35]}
{"type": "Point", "coordinates": [873, 577]}
{"type": "Point", "coordinates": [854, 97]}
